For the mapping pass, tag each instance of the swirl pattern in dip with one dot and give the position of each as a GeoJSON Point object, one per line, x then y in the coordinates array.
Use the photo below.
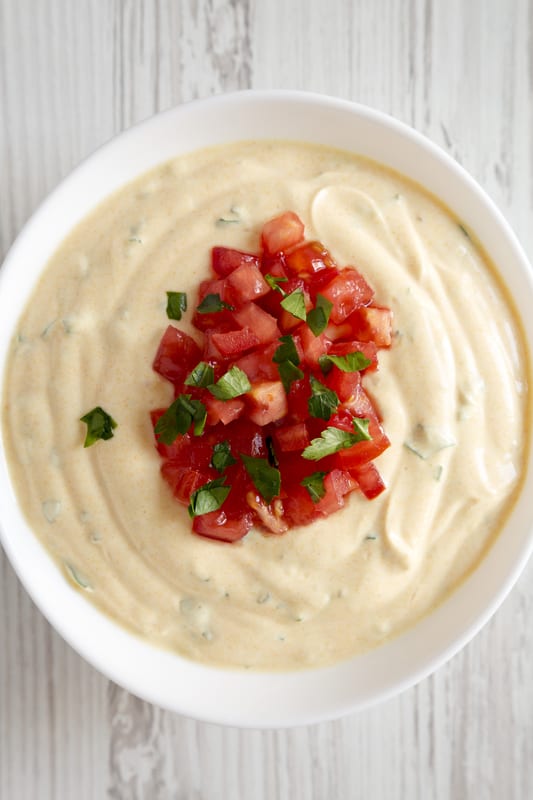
{"type": "Point", "coordinates": [452, 391]}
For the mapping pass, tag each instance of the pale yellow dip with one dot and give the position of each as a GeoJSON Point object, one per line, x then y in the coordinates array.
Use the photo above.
{"type": "Point", "coordinates": [451, 390]}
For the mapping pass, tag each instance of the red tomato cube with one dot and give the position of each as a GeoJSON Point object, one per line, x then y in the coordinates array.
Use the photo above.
{"type": "Point", "coordinates": [233, 343]}
{"type": "Point", "coordinates": [309, 258]}
{"type": "Point", "coordinates": [259, 365]}
{"type": "Point", "coordinates": [246, 283]}
{"type": "Point", "coordinates": [282, 232]}
{"type": "Point", "coordinates": [298, 507]}
{"type": "Point", "coordinates": [373, 324]}
{"type": "Point", "coordinates": [225, 260]}
{"type": "Point", "coordinates": [291, 438]}
{"type": "Point", "coordinates": [266, 402]}
{"type": "Point", "coordinates": [344, 384]}
{"type": "Point", "coordinates": [369, 480]}
{"type": "Point", "coordinates": [224, 411]}
{"type": "Point", "coordinates": [217, 525]}
{"type": "Point", "coordinates": [347, 291]}
{"type": "Point", "coordinates": [183, 480]}
{"type": "Point", "coordinates": [312, 346]}
{"type": "Point", "coordinates": [368, 349]}
{"type": "Point", "coordinates": [176, 355]}
{"type": "Point", "coordinates": [263, 325]}
{"type": "Point", "coordinates": [337, 484]}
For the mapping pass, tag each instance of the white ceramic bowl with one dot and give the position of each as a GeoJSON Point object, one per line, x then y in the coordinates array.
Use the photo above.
{"type": "Point", "coordinates": [237, 698]}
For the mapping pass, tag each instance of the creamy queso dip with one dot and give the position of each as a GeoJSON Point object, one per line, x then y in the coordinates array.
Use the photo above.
{"type": "Point", "coordinates": [451, 391]}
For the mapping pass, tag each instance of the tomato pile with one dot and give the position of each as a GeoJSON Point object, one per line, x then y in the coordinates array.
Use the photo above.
{"type": "Point", "coordinates": [271, 426]}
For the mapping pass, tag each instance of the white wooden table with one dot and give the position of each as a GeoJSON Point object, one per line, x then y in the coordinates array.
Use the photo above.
{"type": "Point", "coordinates": [72, 74]}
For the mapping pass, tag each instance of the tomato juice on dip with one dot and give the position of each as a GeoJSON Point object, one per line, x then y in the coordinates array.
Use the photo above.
{"type": "Point", "coordinates": [451, 391]}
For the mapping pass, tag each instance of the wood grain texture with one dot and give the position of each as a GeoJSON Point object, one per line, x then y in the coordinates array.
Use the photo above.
{"type": "Point", "coordinates": [72, 74]}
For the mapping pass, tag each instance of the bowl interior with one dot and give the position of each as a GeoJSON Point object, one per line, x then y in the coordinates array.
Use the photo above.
{"type": "Point", "coordinates": [262, 700]}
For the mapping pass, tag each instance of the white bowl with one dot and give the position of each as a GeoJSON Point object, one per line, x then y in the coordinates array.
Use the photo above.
{"type": "Point", "coordinates": [231, 697]}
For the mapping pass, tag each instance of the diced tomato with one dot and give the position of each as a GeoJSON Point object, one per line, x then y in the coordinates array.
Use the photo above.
{"type": "Point", "coordinates": [275, 265]}
{"type": "Point", "coordinates": [247, 438]}
{"type": "Point", "coordinates": [347, 291]}
{"type": "Point", "coordinates": [247, 335]}
{"type": "Point", "coordinates": [263, 325]}
{"type": "Point", "coordinates": [211, 351]}
{"type": "Point", "coordinates": [292, 437]}
{"type": "Point", "coordinates": [298, 507]}
{"type": "Point", "coordinates": [258, 365]}
{"type": "Point", "coordinates": [224, 411]}
{"type": "Point", "coordinates": [183, 480]}
{"type": "Point", "coordinates": [225, 260]}
{"type": "Point", "coordinates": [217, 525]}
{"type": "Point", "coordinates": [309, 258]}
{"type": "Point", "coordinates": [297, 400]}
{"type": "Point", "coordinates": [344, 384]}
{"type": "Point", "coordinates": [337, 484]}
{"type": "Point", "coordinates": [282, 233]}
{"type": "Point", "coordinates": [266, 402]}
{"type": "Point", "coordinates": [316, 282]}
{"type": "Point", "coordinates": [373, 324]}
{"type": "Point", "coordinates": [233, 343]}
{"type": "Point", "coordinates": [369, 480]}
{"type": "Point", "coordinates": [176, 355]}
{"type": "Point", "coordinates": [312, 346]}
{"type": "Point", "coordinates": [246, 283]}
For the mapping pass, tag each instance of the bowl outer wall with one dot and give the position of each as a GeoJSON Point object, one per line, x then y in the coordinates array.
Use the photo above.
{"type": "Point", "coordinates": [234, 697]}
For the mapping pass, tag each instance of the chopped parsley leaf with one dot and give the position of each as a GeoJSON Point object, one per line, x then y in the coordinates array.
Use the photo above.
{"type": "Point", "coordinates": [286, 351]}
{"type": "Point", "coordinates": [315, 485]}
{"type": "Point", "coordinates": [179, 417]}
{"type": "Point", "coordinates": [273, 281]}
{"type": "Point", "coordinates": [202, 375]}
{"type": "Point", "coordinates": [334, 439]}
{"type": "Point", "coordinates": [212, 304]}
{"type": "Point", "coordinates": [176, 304]}
{"type": "Point", "coordinates": [208, 497]}
{"type": "Point", "coordinates": [323, 401]}
{"type": "Point", "coordinates": [222, 456]}
{"type": "Point", "coordinates": [234, 383]}
{"type": "Point", "coordinates": [294, 303]}
{"type": "Point", "coordinates": [289, 373]}
{"type": "Point", "coordinates": [318, 317]}
{"type": "Point", "coordinates": [99, 425]}
{"type": "Point", "coordinates": [351, 362]}
{"type": "Point", "coordinates": [265, 478]}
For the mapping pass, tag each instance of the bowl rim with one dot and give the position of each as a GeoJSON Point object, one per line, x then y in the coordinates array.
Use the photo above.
{"type": "Point", "coordinates": [245, 699]}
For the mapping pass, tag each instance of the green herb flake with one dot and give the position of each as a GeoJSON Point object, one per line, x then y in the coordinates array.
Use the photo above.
{"type": "Point", "coordinates": [265, 478]}
{"type": "Point", "coordinates": [222, 456]}
{"type": "Point", "coordinates": [273, 281]}
{"type": "Point", "coordinates": [332, 440]}
{"type": "Point", "coordinates": [360, 426]}
{"type": "Point", "coordinates": [208, 498]}
{"type": "Point", "coordinates": [318, 317]}
{"type": "Point", "coordinates": [179, 417]}
{"type": "Point", "coordinates": [294, 303]}
{"type": "Point", "coordinates": [212, 304]}
{"type": "Point", "coordinates": [288, 373]}
{"type": "Point", "coordinates": [202, 375]}
{"type": "Point", "coordinates": [351, 362]}
{"type": "Point", "coordinates": [99, 425]}
{"type": "Point", "coordinates": [286, 351]}
{"type": "Point", "coordinates": [233, 384]}
{"type": "Point", "coordinates": [315, 485]}
{"type": "Point", "coordinates": [323, 401]}
{"type": "Point", "coordinates": [176, 304]}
